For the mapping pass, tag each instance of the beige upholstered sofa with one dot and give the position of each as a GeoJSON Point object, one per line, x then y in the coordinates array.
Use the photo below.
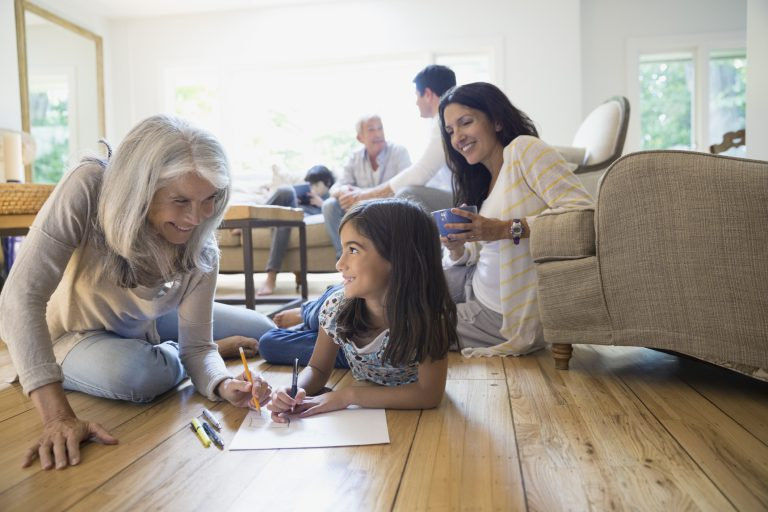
{"type": "Point", "coordinates": [321, 256]}
{"type": "Point", "coordinates": [675, 257]}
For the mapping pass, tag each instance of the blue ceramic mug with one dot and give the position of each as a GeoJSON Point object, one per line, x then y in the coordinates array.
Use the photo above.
{"type": "Point", "coordinates": [443, 217]}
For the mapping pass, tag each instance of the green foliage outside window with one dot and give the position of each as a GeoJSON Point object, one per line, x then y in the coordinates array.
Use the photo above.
{"type": "Point", "coordinates": [50, 127]}
{"type": "Point", "coordinates": [49, 168]}
{"type": "Point", "coordinates": [727, 96]}
{"type": "Point", "coordinates": [665, 104]}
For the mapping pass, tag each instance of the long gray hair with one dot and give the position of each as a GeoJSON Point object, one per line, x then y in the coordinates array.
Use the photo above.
{"type": "Point", "coordinates": [158, 150]}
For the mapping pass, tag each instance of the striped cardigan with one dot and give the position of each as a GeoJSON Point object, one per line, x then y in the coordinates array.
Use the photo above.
{"type": "Point", "coordinates": [535, 178]}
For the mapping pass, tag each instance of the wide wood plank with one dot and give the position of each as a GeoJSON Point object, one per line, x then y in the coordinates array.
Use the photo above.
{"type": "Point", "coordinates": [464, 455]}
{"type": "Point", "coordinates": [463, 368]}
{"type": "Point", "coordinates": [742, 398]}
{"type": "Point", "coordinates": [624, 429]}
{"type": "Point", "coordinates": [734, 459]}
{"type": "Point", "coordinates": [603, 450]}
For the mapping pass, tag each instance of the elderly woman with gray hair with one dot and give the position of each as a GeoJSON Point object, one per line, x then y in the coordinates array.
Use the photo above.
{"type": "Point", "coordinates": [112, 292]}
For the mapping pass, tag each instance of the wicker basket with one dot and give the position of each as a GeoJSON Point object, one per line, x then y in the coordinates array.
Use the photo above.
{"type": "Point", "coordinates": [23, 198]}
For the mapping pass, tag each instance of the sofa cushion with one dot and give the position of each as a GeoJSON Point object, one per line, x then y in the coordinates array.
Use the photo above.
{"type": "Point", "coordinates": [599, 132]}
{"type": "Point", "coordinates": [317, 236]}
{"type": "Point", "coordinates": [228, 237]}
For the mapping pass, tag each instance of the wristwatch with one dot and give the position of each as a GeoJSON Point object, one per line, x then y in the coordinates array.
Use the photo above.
{"type": "Point", "coordinates": [516, 230]}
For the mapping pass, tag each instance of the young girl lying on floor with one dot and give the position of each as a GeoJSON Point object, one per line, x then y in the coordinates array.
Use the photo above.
{"type": "Point", "coordinates": [394, 319]}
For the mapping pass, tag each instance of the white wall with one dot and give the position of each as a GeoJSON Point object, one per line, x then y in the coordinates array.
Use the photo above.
{"type": "Point", "coordinates": [10, 103]}
{"type": "Point", "coordinates": [537, 43]}
{"type": "Point", "coordinates": [607, 25]}
{"type": "Point", "coordinates": [757, 79]}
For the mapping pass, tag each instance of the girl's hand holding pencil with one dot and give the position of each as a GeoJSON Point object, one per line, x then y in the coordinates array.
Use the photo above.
{"type": "Point", "coordinates": [282, 405]}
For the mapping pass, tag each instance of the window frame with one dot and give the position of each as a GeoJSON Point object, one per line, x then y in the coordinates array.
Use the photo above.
{"type": "Point", "coordinates": [700, 46]}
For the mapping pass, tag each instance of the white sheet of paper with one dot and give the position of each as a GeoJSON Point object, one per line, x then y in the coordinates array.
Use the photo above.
{"type": "Point", "coordinates": [347, 427]}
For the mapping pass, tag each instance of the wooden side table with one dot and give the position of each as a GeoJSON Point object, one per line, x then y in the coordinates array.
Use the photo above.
{"type": "Point", "coordinates": [248, 216]}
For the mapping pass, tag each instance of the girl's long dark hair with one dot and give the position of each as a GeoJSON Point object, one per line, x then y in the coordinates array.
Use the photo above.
{"type": "Point", "coordinates": [471, 182]}
{"type": "Point", "coordinates": [420, 311]}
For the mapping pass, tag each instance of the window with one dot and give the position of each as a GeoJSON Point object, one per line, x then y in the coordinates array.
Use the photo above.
{"type": "Point", "coordinates": [469, 67]}
{"type": "Point", "coordinates": [688, 92]}
{"type": "Point", "coordinates": [666, 101]}
{"type": "Point", "coordinates": [49, 115]}
{"type": "Point", "coordinates": [300, 115]}
{"type": "Point", "coordinates": [727, 96]}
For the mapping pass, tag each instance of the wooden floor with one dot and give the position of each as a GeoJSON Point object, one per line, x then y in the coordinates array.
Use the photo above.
{"type": "Point", "coordinates": [624, 429]}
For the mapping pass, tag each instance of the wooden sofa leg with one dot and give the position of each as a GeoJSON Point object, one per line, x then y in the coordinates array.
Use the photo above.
{"type": "Point", "coordinates": [562, 354]}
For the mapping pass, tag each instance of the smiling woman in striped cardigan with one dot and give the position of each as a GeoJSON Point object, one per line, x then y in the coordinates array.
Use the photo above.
{"type": "Point", "coordinates": [500, 165]}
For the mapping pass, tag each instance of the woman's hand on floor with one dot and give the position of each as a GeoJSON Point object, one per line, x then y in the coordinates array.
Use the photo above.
{"type": "Point", "coordinates": [230, 347]}
{"type": "Point", "coordinates": [59, 444]}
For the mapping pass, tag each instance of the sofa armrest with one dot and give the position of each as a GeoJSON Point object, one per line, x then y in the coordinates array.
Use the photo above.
{"type": "Point", "coordinates": [263, 212]}
{"type": "Point", "coordinates": [563, 235]}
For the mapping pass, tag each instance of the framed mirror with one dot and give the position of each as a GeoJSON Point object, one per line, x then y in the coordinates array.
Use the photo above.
{"type": "Point", "coordinates": [61, 81]}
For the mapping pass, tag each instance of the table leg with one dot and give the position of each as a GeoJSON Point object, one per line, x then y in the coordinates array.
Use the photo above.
{"type": "Point", "coordinates": [303, 260]}
{"type": "Point", "coordinates": [250, 291]}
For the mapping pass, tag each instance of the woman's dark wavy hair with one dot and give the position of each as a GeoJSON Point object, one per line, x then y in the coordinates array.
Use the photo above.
{"type": "Point", "coordinates": [471, 182]}
{"type": "Point", "coordinates": [420, 311]}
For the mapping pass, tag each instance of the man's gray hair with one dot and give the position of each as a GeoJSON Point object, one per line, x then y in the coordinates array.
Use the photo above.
{"type": "Point", "coordinates": [155, 152]}
{"type": "Point", "coordinates": [364, 119]}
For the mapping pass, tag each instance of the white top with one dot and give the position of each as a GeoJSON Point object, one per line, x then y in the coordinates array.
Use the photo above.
{"type": "Point", "coordinates": [487, 276]}
{"type": "Point", "coordinates": [430, 170]}
{"type": "Point", "coordinates": [534, 178]}
{"type": "Point", "coordinates": [55, 296]}
{"type": "Point", "coordinates": [359, 171]}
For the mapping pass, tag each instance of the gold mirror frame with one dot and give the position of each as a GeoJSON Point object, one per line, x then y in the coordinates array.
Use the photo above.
{"type": "Point", "coordinates": [23, 6]}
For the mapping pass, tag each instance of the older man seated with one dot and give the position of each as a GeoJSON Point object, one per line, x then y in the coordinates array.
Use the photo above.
{"type": "Point", "coordinates": [375, 163]}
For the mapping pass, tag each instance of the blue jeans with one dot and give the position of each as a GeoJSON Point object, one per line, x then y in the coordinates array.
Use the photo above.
{"type": "Point", "coordinates": [333, 214]}
{"type": "Point", "coordinates": [284, 196]}
{"type": "Point", "coordinates": [282, 346]}
{"type": "Point", "coordinates": [109, 366]}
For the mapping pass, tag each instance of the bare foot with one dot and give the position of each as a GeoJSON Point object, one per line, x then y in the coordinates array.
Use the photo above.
{"type": "Point", "coordinates": [230, 347]}
{"type": "Point", "coordinates": [288, 318]}
{"type": "Point", "coordinates": [269, 284]}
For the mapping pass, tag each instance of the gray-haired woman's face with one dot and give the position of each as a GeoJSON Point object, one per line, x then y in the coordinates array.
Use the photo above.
{"type": "Point", "coordinates": [179, 207]}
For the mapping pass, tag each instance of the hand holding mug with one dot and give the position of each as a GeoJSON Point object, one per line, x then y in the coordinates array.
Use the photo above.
{"type": "Point", "coordinates": [475, 228]}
